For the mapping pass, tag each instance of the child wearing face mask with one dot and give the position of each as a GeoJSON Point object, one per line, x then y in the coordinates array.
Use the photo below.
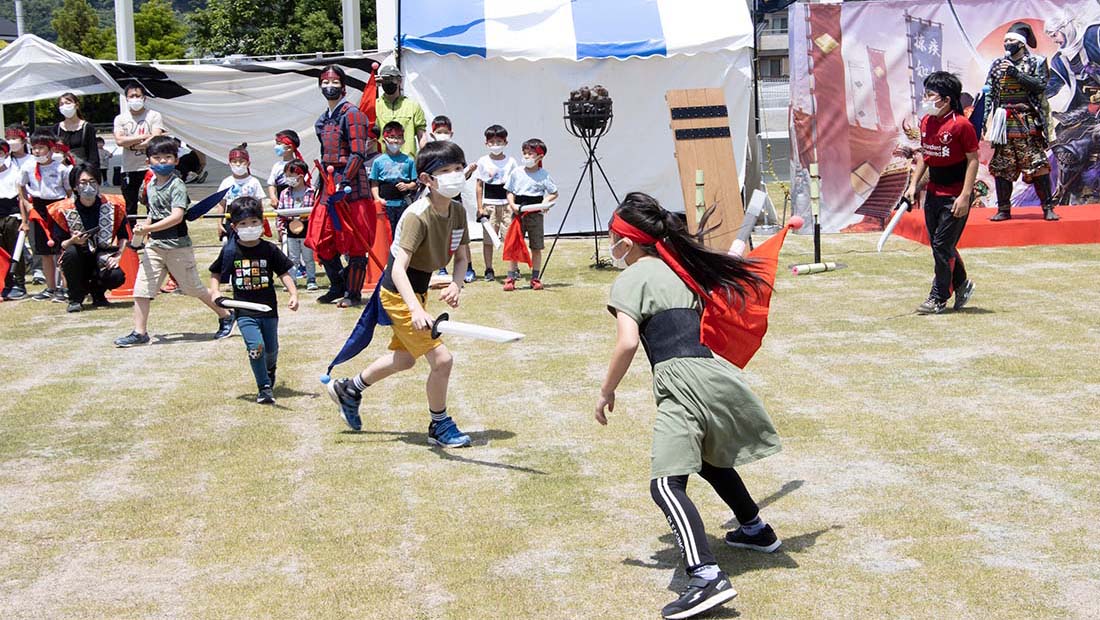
{"type": "Point", "coordinates": [166, 248]}
{"type": "Point", "coordinates": [15, 285]}
{"type": "Point", "coordinates": [393, 174]}
{"type": "Point", "coordinates": [299, 194]}
{"type": "Point", "coordinates": [527, 185]}
{"type": "Point", "coordinates": [286, 151]}
{"type": "Point", "coordinates": [44, 180]}
{"type": "Point", "coordinates": [431, 232]}
{"type": "Point", "coordinates": [240, 183]}
{"type": "Point", "coordinates": [252, 265]}
{"type": "Point", "coordinates": [492, 199]}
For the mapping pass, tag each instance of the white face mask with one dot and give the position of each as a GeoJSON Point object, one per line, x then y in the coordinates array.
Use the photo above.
{"type": "Point", "coordinates": [392, 148]}
{"type": "Point", "coordinates": [57, 157]}
{"type": "Point", "coordinates": [136, 103]}
{"type": "Point", "coordinates": [67, 110]}
{"type": "Point", "coordinates": [43, 159]}
{"type": "Point", "coordinates": [16, 145]}
{"type": "Point", "coordinates": [928, 108]}
{"type": "Point", "coordinates": [292, 181]}
{"type": "Point", "coordinates": [618, 262]}
{"type": "Point", "coordinates": [496, 149]}
{"type": "Point", "coordinates": [239, 171]}
{"type": "Point", "coordinates": [250, 233]}
{"type": "Point", "coordinates": [451, 183]}
{"type": "Point", "coordinates": [530, 162]}
{"type": "Point", "coordinates": [442, 137]}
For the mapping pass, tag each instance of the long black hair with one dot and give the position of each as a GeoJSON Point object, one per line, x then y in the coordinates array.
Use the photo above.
{"type": "Point", "coordinates": [710, 268]}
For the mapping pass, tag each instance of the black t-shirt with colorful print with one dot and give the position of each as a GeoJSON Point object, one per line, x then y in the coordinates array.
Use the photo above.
{"type": "Point", "coordinates": [254, 273]}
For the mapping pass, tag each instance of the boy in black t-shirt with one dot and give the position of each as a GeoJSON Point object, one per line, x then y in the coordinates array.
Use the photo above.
{"type": "Point", "coordinates": [251, 265]}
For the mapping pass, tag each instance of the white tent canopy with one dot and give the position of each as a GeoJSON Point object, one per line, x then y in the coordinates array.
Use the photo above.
{"type": "Point", "coordinates": [514, 62]}
{"type": "Point", "coordinates": [211, 107]}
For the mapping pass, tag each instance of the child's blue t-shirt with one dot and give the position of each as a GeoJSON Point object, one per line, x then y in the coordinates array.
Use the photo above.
{"type": "Point", "coordinates": [388, 168]}
{"type": "Point", "coordinates": [524, 183]}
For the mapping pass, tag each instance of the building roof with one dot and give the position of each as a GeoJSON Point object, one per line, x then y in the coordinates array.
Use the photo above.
{"type": "Point", "coordinates": [8, 31]}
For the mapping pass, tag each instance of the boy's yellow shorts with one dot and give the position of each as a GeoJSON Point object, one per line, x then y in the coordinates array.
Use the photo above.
{"type": "Point", "coordinates": [416, 342]}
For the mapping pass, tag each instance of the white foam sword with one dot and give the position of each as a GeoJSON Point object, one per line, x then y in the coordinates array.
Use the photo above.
{"type": "Point", "coordinates": [225, 302]}
{"type": "Point", "coordinates": [444, 325]}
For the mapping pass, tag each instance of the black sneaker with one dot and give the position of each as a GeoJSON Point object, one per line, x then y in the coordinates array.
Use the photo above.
{"type": "Point", "coordinates": [699, 596]}
{"type": "Point", "coordinates": [60, 296]}
{"type": "Point", "coordinates": [74, 307]}
{"type": "Point", "coordinates": [331, 296]}
{"type": "Point", "coordinates": [15, 293]}
{"type": "Point", "coordinates": [348, 400]}
{"type": "Point", "coordinates": [100, 302]}
{"type": "Point", "coordinates": [225, 327]}
{"type": "Point", "coordinates": [490, 275]}
{"type": "Point", "coordinates": [962, 296]}
{"type": "Point", "coordinates": [43, 295]}
{"type": "Point", "coordinates": [266, 396]}
{"type": "Point", "coordinates": [931, 306]}
{"type": "Point", "coordinates": [132, 339]}
{"type": "Point", "coordinates": [765, 540]}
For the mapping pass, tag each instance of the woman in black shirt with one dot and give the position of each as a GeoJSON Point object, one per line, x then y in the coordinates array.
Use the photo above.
{"type": "Point", "coordinates": [75, 132]}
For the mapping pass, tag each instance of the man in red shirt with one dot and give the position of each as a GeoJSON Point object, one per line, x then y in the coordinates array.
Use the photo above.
{"type": "Point", "coordinates": [950, 155]}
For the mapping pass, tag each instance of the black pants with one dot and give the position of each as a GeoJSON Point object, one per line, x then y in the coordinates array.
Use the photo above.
{"type": "Point", "coordinates": [9, 233]}
{"type": "Point", "coordinates": [944, 230]}
{"type": "Point", "coordinates": [84, 277]}
{"type": "Point", "coordinates": [670, 494]}
{"type": "Point", "coordinates": [131, 188]}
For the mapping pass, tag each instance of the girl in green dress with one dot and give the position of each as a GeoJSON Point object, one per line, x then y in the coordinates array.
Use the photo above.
{"type": "Point", "coordinates": [708, 420]}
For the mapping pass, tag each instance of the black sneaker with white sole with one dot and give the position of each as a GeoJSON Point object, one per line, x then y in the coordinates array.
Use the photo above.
{"type": "Point", "coordinates": [765, 540]}
{"type": "Point", "coordinates": [932, 306]}
{"type": "Point", "coordinates": [699, 596]}
{"type": "Point", "coordinates": [225, 326]}
{"type": "Point", "coordinates": [266, 396]}
{"type": "Point", "coordinates": [962, 295]}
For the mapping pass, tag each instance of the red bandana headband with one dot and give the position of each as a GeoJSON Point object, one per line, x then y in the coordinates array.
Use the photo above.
{"type": "Point", "coordinates": [286, 141]}
{"type": "Point", "coordinates": [627, 230]}
{"type": "Point", "coordinates": [239, 154]}
{"type": "Point", "coordinates": [68, 152]}
{"type": "Point", "coordinates": [331, 75]}
{"type": "Point", "coordinates": [15, 133]}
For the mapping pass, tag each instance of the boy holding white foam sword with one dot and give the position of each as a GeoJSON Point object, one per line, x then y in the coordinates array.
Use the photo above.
{"type": "Point", "coordinates": [251, 265]}
{"type": "Point", "coordinates": [430, 233]}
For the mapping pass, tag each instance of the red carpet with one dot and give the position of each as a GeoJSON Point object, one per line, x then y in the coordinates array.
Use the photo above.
{"type": "Point", "coordinates": [1079, 224]}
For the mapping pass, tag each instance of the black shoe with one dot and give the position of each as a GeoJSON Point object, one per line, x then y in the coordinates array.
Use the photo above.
{"type": "Point", "coordinates": [348, 302]}
{"type": "Point", "coordinates": [100, 302]}
{"type": "Point", "coordinates": [1050, 216]}
{"type": "Point", "coordinates": [490, 275]}
{"type": "Point", "coordinates": [699, 596]}
{"type": "Point", "coordinates": [765, 540]}
{"type": "Point", "coordinates": [74, 307]}
{"type": "Point", "coordinates": [16, 293]}
{"type": "Point", "coordinates": [348, 400]}
{"type": "Point", "coordinates": [43, 295]}
{"type": "Point", "coordinates": [1001, 216]}
{"type": "Point", "coordinates": [132, 339]}
{"type": "Point", "coordinates": [225, 326]}
{"type": "Point", "coordinates": [266, 396]}
{"type": "Point", "coordinates": [331, 296]}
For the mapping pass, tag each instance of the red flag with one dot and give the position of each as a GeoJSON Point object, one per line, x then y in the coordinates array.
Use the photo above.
{"type": "Point", "coordinates": [5, 263]}
{"type": "Point", "coordinates": [736, 332]}
{"type": "Point", "coordinates": [368, 105]}
{"type": "Point", "coordinates": [514, 247]}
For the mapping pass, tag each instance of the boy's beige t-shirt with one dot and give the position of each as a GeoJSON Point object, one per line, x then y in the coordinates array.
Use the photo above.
{"type": "Point", "coordinates": [431, 239]}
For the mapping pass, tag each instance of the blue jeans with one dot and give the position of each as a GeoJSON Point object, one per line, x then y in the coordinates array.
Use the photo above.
{"type": "Point", "coordinates": [261, 338]}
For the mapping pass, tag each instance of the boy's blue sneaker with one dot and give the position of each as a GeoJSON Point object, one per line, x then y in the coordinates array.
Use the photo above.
{"type": "Point", "coordinates": [348, 400]}
{"type": "Point", "coordinates": [470, 275]}
{"type": "Point", "coordinates": [445, 434]}
{"type": "Point", "coordinates": [131, 339]}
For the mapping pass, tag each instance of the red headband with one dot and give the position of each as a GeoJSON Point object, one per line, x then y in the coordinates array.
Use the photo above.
{"type": "Point", "coordinates": [627, 230]}
{"type": "Point", "coordinates": [330, 74]}
{"type": "Point", "coordinates": [438, 125]}
{"type": "Point", "coordinates": [286, 141]}
{"type": "Point", "coordinates": [15, 133]}
{"type": "Point", "coordinates": [239, 154]}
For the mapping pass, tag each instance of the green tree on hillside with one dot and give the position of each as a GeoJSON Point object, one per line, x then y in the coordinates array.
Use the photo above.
{"type": "Point", "coordinates": [259, 28]}
{"type": "Point", "coordinates": [158, 31]}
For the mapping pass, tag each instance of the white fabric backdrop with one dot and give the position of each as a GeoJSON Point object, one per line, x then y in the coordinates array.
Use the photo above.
{"type": "Point", "coordinates": [526, 98]}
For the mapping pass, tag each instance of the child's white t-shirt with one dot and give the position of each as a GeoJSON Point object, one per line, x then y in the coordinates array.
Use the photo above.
{"type": "Point", "coordinates": [495, 172]}
{"type": "Point", "coordinates": [248, 186]}
{"type": "Point", "coordinates": [54, 182]}
{"type": "Point", "coordinates": [278, 172]}
{"type": "Point", "coordinates": [9, 178]}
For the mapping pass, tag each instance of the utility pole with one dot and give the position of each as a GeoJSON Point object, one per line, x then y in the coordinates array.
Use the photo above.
{"type": "Point", "coordinates": [124, 38]}
{"type": "Point", "coordinates": [353, 31]}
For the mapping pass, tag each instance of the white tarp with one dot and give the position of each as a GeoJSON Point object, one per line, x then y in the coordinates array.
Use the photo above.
{"type": "Point", "coordinates": [526, 97]}
{"type": "Point", "coordinates": [211, 107]}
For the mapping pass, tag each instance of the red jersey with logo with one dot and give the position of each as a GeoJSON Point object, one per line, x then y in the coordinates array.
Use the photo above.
{"type": "Point", "coordinates": [945, 141]}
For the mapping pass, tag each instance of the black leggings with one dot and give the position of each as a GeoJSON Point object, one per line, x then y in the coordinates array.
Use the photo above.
{"type": "Point", "coordinates": [347, 281]}
{"type": "Point", "coordinates": [670, 494]}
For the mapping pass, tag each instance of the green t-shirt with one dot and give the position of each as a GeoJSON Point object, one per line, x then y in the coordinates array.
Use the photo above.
{"type": "Point", "coordinates": [647, 287]}
{"type": "Point", "coordinates": [405, 111]}
{"type": "Point", "coordinates": [161, 201]}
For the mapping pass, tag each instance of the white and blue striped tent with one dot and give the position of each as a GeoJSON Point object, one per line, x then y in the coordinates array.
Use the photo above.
{"type": "Point", "coordinates": [514, 62]}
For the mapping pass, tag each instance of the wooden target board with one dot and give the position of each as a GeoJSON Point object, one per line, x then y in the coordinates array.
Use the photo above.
{"type": "Point", "coordinates": [701, 133]}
